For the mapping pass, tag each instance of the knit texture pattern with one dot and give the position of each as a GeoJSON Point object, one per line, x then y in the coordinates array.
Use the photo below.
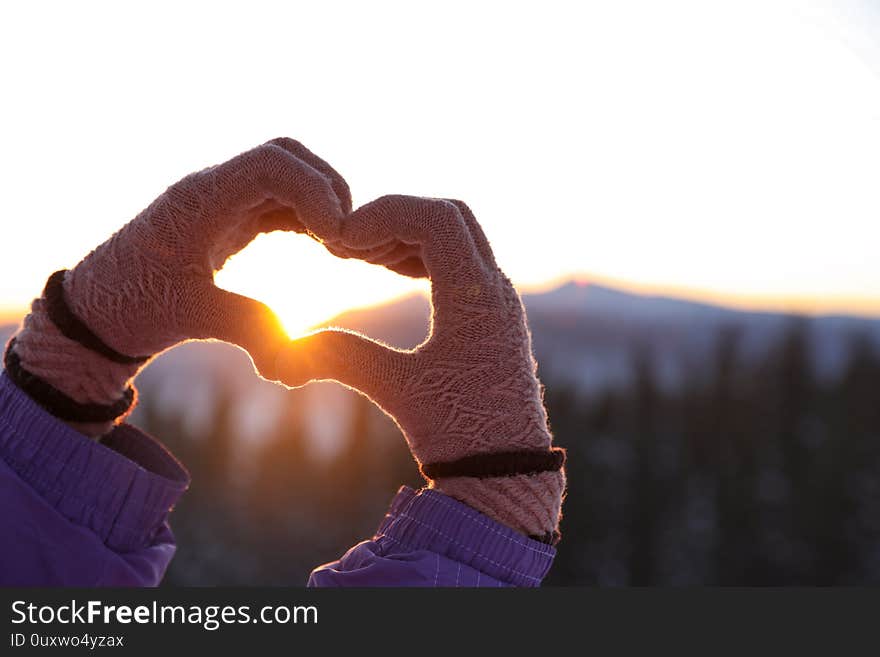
{"type": "Point", "coordinates": [471, 387]}
{"type": "Point", "coordinates": [151, 285]}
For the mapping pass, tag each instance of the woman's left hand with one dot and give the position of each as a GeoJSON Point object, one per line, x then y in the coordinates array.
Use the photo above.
{"type": "Point", "coordinates": [151, 284]}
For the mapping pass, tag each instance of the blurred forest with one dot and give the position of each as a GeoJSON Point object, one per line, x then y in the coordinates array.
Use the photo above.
{"type": "Point", "coordinates": [751, 473]}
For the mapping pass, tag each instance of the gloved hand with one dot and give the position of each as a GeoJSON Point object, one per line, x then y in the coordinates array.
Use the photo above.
{"type": "Point", "coordinates": [151, 286]}
{"type": "Point", "coordinates": [468, 399]}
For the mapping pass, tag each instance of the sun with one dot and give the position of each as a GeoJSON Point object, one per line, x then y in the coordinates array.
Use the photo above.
{"type": "Point", "coordinates": [305, 285]}
{"type": "Point", "coordinates": [298, 318]}
{"type": "Point", "coordinates": [293, 327]}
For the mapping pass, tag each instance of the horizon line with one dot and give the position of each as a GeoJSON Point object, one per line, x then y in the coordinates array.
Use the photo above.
{"type": "Point", "coordinates": [852, 306]}
{"type": "Point", "coordinates": [813, 306]}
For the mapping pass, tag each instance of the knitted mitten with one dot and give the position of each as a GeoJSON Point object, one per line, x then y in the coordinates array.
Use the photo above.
{"type": "Point", "coordinates": [151, 285]}
{"type": "Point", "coordinates": [468, 399]}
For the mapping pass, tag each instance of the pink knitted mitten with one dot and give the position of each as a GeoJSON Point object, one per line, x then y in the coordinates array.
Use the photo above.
{"type": "Point", "coordinates": [468, 399]}
{"type": "Point", "coordinates": [151, 285]}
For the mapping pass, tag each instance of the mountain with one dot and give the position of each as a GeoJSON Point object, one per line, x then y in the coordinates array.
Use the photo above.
{"type": "Point", "coordinates": [584, 335]}
{"type": "Point", "coordinates": [588, 334]}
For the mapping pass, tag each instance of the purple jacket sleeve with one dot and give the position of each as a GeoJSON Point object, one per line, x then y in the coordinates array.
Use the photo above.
{"type": "Point", "coordinates": [430, 539]}
{"type": "Point", "coordinates": [75, 512]}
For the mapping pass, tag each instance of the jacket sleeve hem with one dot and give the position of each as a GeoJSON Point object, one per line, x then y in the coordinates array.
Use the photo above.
{"type": "Point", "coordinates": [122, 488]}
{"type": "Point", "coordinates": [429, 520]}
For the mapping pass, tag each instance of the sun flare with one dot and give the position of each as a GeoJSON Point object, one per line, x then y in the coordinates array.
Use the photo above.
{"type": "Point", "coordinates": [306, 286]}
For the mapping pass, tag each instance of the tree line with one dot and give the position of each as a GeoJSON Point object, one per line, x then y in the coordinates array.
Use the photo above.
{"type": "Point", "coordinates": [752, 473]}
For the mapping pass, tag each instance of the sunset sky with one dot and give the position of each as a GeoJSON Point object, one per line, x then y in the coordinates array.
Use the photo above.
{"type": "Point", "coordinates": [723, 151]}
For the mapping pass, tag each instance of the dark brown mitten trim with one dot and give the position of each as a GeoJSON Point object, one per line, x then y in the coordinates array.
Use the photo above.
{"type": "Point", "coordinates": [498, 464]}
{"type": "Point", "coordinates": [59, 404]}
{"type": "Point", "coordinates": [73, 328]}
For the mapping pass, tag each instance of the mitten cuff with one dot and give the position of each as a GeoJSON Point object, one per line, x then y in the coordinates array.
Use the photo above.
{"type": "Point", "coordinates": [530, 504]}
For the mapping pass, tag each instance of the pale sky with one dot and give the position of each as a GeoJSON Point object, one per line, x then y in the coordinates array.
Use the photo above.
{"type": "Point", "coordinates": [726, 150]}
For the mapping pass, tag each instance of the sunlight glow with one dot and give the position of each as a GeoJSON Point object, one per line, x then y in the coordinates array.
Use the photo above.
{"type": "Point", "coordinates": [295, 277]}
{"type": "Point", "coordinates": [729, 149]}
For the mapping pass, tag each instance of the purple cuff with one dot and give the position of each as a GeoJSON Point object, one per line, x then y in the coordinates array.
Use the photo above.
{"type": "Point", "coordinates": [122, 488]}
{"type": "Point", "coordinates": [429, 520]}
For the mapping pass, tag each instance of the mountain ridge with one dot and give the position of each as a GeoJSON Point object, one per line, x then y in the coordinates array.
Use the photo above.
{"type": "Point", "coordinates": [584, 335]}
